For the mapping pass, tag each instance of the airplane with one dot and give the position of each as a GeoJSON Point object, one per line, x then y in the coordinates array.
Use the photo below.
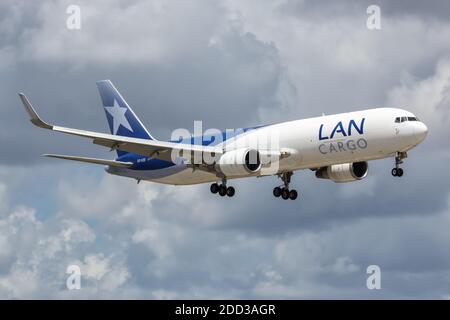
{"type": "Point", "coordinates": [337, 147]}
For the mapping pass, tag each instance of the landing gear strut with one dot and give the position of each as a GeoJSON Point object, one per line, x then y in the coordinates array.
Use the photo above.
{"type": "Point", "coordinates": [222, 189]}
{"type": "Point", "coordinates": [284, 191]}
{"type": "Point", "coordinates": [397, 171]}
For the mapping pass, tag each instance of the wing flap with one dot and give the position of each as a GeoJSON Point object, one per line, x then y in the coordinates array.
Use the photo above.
{"type": "Point", "coordinates": [106, 162]}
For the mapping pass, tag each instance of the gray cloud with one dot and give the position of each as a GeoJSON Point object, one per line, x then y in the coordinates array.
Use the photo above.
{"type": "Point", "coordinates": [221, 70]}
{"type": "Point", "coordinates": [328, 9]}
{"type": "Point", "coordinates": [231, 63]}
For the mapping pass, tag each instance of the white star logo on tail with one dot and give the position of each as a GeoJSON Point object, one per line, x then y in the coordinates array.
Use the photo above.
{"type": "Point", "coordinates": [118, 114]}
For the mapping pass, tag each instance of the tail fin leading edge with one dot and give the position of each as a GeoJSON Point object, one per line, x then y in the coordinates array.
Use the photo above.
{"type": "Point", "coordinates": [121, 118]}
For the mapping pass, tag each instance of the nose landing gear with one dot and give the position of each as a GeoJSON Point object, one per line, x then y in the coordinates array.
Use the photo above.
{"type": "Point", "coordinates": [397, 171]}
{"type": "Point", "coordinates": [284, 191]}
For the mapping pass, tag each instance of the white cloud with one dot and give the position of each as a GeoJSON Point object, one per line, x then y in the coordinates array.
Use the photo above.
{"type": "Point", "coordinates": [34, 256]}
{"type": "Point", "coordinates": [152, 255]}
{"type": "Point", "coordinates": [429, 98]}
{"type": "Point", "coordinates": [333, 60]}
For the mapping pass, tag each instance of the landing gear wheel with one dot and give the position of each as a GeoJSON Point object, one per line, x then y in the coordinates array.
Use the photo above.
{"type": "Point", "coordinates": [214, 188]}
{"type": "Point", "coordinates": [293, 194]}
{"type": "Point", "coordinates": [277, 192]}
{"type": "Point", "coordinates": [397, 172]}
{"type": "Point", "coordinates": [230, 191]}
{"type": "Point", "coordinates": [283, 191]}
{"type": "Point", "coordinates": [222, 190]}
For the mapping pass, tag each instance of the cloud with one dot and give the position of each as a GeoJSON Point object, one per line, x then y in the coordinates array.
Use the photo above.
{"type": "Point", "coordinates": [180, 64]}
{"type": "Point", "coordinates": [334, 62]}
{"type": "Point", "coordinates": [230, 63]}
{"type": "Point", "coordinates": [35, 255]}
{"type": "Point", "coordinates": [107, 26]}
{"type": "Point", "coordinates": [429, 98]}
{"type": "Point", "coordinates": [149, 250]}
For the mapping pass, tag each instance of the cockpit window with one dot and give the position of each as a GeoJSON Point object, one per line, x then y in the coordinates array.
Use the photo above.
{"type": "Point", "coordinates": [403, 119]}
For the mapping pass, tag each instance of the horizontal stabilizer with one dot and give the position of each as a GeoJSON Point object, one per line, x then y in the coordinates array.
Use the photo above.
{"type": "Point", "coordinates": [111, 163]}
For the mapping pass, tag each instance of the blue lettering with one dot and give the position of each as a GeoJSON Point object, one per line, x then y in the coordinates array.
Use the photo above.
{"type": "Point", "coordinates": [338, 128]}
{"type": "Point", "coordinates": [360, 129]}
{"type": "Point", "coordinates": [320, 133]}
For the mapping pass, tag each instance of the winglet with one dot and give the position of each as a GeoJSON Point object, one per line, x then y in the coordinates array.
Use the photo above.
{"type": "Point", "coordinates": [34, 117]}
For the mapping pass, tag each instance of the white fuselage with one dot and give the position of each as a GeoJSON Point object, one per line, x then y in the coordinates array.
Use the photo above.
{"type": "Point", "coordinates": [311, 143]}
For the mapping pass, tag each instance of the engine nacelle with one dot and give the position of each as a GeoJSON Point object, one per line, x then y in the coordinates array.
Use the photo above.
{"type": "Point", "coordinates": [344, 172]}
{"type": "Point", "coordinates": [239, 162]}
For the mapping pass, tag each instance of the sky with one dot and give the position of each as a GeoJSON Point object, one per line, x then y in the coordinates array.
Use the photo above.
{"type": "Point", "coordinates": [230, 64]}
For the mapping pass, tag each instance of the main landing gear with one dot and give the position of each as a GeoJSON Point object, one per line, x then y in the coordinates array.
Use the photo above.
{"type": "Point", "coordinates": [397, 171]}
{"type": "Point", "coordinates": [222, 189]}
{"type": "Point", "coordinates": [284, 191]}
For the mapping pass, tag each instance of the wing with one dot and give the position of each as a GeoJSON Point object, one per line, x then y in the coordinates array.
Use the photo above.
{"type": "Point", "coordinates": [105, 162]}
{"type": "Point", "coordinates": [149, 148]}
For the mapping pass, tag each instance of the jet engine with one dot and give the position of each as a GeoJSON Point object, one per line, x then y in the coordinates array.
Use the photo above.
{"type": "Point", "coordinates": [239, 162]}
{"type": "Point", "coordinates": [345, 172]}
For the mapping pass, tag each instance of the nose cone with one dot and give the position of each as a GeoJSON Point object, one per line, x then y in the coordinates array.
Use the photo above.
{"type": "Point", "coordinates": [420, 131]}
